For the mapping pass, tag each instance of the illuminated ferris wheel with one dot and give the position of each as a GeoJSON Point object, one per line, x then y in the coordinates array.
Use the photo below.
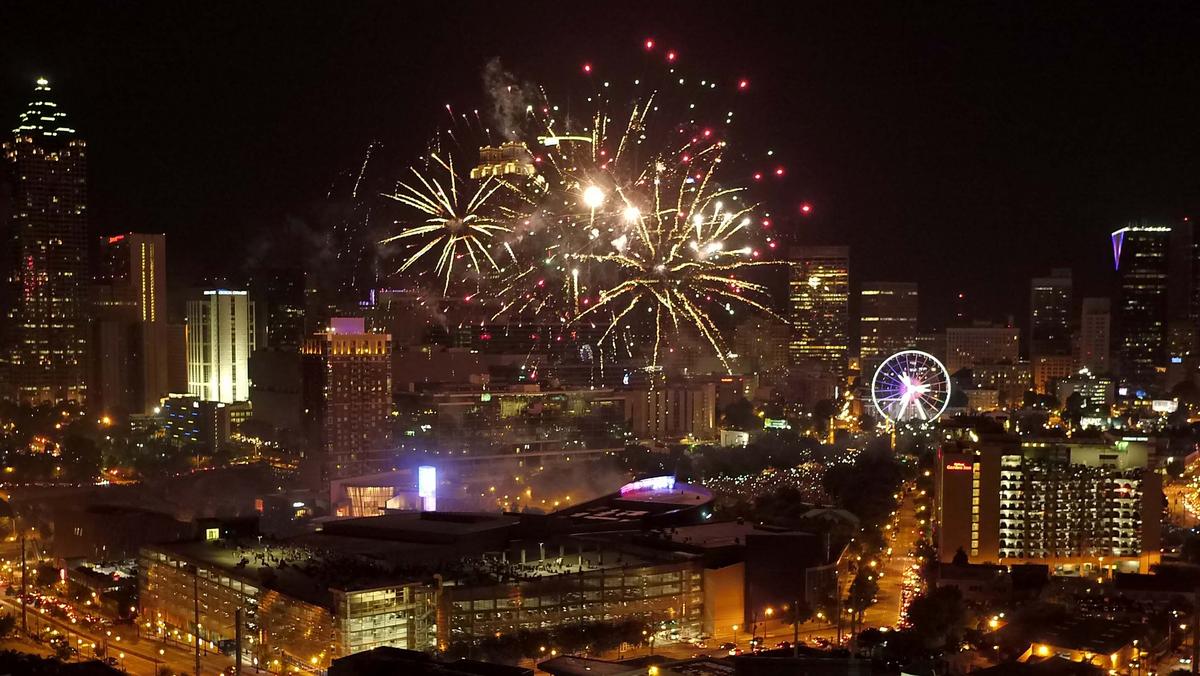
{"type": "Point", "coordinates": [910, 386]}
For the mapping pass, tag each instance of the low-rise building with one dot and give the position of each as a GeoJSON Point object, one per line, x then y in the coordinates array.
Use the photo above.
{"type": "Point", "coordinates": [427, 581]}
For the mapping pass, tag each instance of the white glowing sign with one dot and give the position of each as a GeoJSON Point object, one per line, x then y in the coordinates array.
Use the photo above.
{"type": "Point", "coordinates": [654, 483]}
{"type": "Point", "coordinates": [1164, 405]}
{"type": "Point", "coordinates": [427, 487]}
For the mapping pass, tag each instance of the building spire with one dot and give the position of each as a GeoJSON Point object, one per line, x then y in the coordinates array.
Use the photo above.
{"type": "Point", "coordinates": [42, 117]}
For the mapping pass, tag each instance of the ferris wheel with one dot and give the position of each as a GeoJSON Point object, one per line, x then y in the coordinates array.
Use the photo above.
{"type": "Point", "coordinates": [910, 386]}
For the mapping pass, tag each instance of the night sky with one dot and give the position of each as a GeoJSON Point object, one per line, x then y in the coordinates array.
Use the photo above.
{"type": "Point", "coordinates": [966, 146]}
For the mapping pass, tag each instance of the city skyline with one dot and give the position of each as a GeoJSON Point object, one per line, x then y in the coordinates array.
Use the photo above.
{"type": "Point", "coordinates": [646, 339]}
{"type": "Point", "coordinates": [1031, 155]}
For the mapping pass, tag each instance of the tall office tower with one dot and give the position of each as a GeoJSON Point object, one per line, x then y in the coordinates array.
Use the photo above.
{"type": "Point", "coordinates": [1181, 271]}
{"type": "Point", "coordinates": [887, 321]}
{"type": "Point", "coordinates": [279, 293]}
{"type": "Point", "coordinates": [1073, 504]}
{"type": "Point", "coordinates": [983, 343]}
{"type": "Point", "coordinates": [129, 367]}
{"type": "Point", "coordinates": [45, 261]}
{"type": "Point", "coordinates": [1050, 314]}
{"type": "Point", "coordinates": [220, 337]}
{"type": "Point", "coordinates": [347, 393]}
{"type": "Point", "coordinates": [1095, 330]}
{"type": "Point", "coordinates": [1142, 260]}
{"type": "Point", "coordinates": [819, 298]}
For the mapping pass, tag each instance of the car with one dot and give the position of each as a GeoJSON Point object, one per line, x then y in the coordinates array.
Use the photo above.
{"type": "Point", "coordinates": [1185, 660]}
{"type": "Point", "coordinates": [727, 646]}
{"type": "Point", "coordinates": [784, 644]}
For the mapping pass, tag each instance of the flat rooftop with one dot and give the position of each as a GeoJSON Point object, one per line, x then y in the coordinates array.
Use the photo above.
{"type": "Point", "coordinates": [301, 569]}
{"type": "Point", "coordinates": [721, 533]}
{"type": "Point", "coordinates": [431, 527]}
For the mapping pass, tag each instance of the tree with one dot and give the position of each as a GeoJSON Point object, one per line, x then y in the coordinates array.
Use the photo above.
{"type": "Point", "coordinates": [7, 623]}
{"type": "Point", "coordinates": [938, 617]}
{"type": "Point", "coordinates": [80, 459]}
{"type": "Point", "coordinates": [740, 415]}
{"type": "Point", "coordinates": [796, 613]}
{"type": "Point", "coordinates": [960, 557]}
{"type": "Point", "coordinates": [860, 596]}
{"type": "Point", "coordinates": [822, 412]}
{"type": "Point", "coordinates": [869, 639]}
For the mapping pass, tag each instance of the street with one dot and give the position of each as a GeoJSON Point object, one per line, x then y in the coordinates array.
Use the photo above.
{"type": "Point", "coordinates": [141, 656]}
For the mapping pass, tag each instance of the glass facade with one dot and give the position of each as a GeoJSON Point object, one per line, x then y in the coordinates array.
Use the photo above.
{"type": "Point", "coordinates": [277, 625]}
{"type": "Point", "coordinates": [667, 592]}
{"type": "Point", "coordinates": [819, 299]}
{"type": "Point", "coordinates": [45, 270]}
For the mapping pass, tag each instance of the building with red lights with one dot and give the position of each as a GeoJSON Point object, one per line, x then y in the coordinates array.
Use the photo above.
{"type": "Point", "coordinates": [45, 264]}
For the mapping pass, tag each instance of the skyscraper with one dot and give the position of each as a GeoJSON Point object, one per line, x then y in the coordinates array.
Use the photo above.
{"type": "Point", "coordinates": [220, 338]}
{"type": "Point", "coordinates": [819, 298]}
{"type": "Point", "coordinates": [969, 346]}
{"type": "Point", "coordinates": [129, 372]}
{"type": "Point", "coordinates": [45, 262]}
{"type": "Point", "coordinates": [1095, 335]}
{"type": "Point", "coordinates": [887, 319]}
{"type": "Point", "coordinates": [1050, 314]}
{"type": "Point", "coordinates": [348, 397]}
{"type": "Point", "coordinates": [1140, 255]}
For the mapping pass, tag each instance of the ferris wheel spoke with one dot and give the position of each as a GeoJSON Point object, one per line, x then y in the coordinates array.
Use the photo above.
{"type": "Point", "coordinates": [910, 385]}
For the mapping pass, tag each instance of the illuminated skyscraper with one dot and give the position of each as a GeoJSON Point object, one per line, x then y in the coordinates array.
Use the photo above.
{"type": "Point", "coordinates": [887, 321]}
{"type": "Point", "coordinates": [220, 338]}
{"type": "Point", "coordinates": [348, 397]}
{"type": "Point", "coordinates": [45, 259]}
{"type": "Point", "coordinates": [1050, 314]}
{"type": "Point", "coordinates": [129, 370]}
{"type": "Point", "coordinates": [1095, 331]}
{"type": "Point", "coordinates": [819, 298]}
{"type": "Point", "coordinates": [1140, 255]}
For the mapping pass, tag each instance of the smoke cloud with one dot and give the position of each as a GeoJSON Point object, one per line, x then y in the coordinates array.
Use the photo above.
{"type": "Point", "coordinates": [510, 98]}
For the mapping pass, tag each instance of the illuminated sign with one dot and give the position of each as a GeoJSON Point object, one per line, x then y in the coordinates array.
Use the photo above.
{"type": "Point", "coordinates": [1164, 405]}
{"type": "Point", "coordinates": [958, 466]}
{"type": "Point", "coordinates": [211, 534]}
{"type": "Point", "coordinates": [486, 396]}
{"type": "Point", "coordinates": [776, 424]}
{"type": "Point", "coordinates": [654, 483]}
{"type": "Point", "coordinates": [427, 487]}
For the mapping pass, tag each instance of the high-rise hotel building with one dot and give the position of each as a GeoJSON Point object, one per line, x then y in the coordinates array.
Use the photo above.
{"type": "Point", "coordinates": [1074, 505]}
{"type": "Point", "coordinates": [130, 336]}
{"type": "Point", "coordinates": [819, 300]}
{"type": "Point", "coordinates": [220, 337]}
{"type": "Point", "coordinates": [348, 397]}
{"type": "Point", "coordinates": [45, 266]}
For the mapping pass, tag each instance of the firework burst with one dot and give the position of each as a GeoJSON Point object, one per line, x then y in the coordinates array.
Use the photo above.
{"type": "Point", "coordinates": [627, 221]}
{"type": "Point", "coordinates": [462, 218]}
